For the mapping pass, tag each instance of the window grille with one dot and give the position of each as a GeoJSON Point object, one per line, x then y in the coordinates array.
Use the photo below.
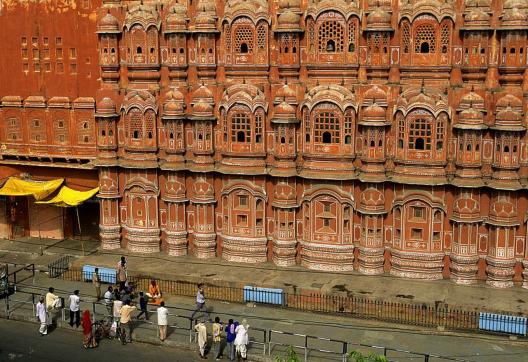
{"type": "Point", "coordinates": [326, 127]}
{"type": "Point", "coordinates": [425, 39]}
{"type": "Point", "coordinates": [258, 127]}
{"type": "Point", "coordinates": [420, 134]}
{"type": "Point", "coordinates": [445, 38]}
{"type": "Point", "coordinates": [244, 35]}
{"type": "Point", "coordinates": [261, 36]}
{"type": "Point", "coordinates": [136, 124]}
{"type": "Point", "coordinates": [352, 28]}
{"type": "Point", "coordinates": [331, 37]}
{"type": "Point", "coordinates": [150, 124]}
{"type": "Point", "coordinates": [240, 128]}
{"type": "Point", "coordinates": [406, 37]}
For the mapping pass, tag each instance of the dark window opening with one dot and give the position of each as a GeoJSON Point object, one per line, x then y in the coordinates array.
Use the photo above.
{"type": "Point", "coordinates": [103, 133]}
{"type": "Point", "coordinates": [210, 50]}
{"type": "Point", "coordinates": [151, 50]}
{"type": "Point", "coordinates": [385, 50]}
{"type": "Point", "coordinates": [351, 47]}
{"type": "Point", "coordinates": [136, 135]}
{"type": "Point", "coordinates": [439, 145]}
{"type": "Point", "coordinates": [150, 135]}
{"type": "Point", "coordinates": [200, 136]}
{"type": "Point", "coordinates": [173, 50]}
{"type": "Point", "coordinates": [372, 144]}
{"type": "Point", "coordinates": [139, 50]}
{"type": "Point", "coordinates": [380, 142]}
{"type": "Point", "coordinates": [514, 148]}
{"type": "Point", "coordinates": [348, 140]}
{"type": "Point", "coordinates": [112, 50]}
{"type": "Point", "coordinates": [182, 50]}
{"type": "Point", "coordinates": [506, 149]}
{"type": "Point", "coordinates": [444, 49]}
{"type": "Point", "coordinates": [512, 50]}
{"type": "Point", "coordinates": [424, 47]}
{"type": "Point", "coordinates": [307, 138]}
{"type": "Point", "coordinates": [243, 48]}
{"type": "Point", "coordinates": [468, 148]}
{"type": "Point", "coordinates": [286, 50]}
{"type": "Point", "coordinates": [282, 140]}
{"type": "Point", "coordinates": [419, 144]}
{"type": "Point", "coordinates": [110, 133]}
{"type": "Point", "coordinates": [171, 135]}
{"type": "Point", "coordinates": [294, 50]}
{"type": "Point", "coordinates": [400, 143]}
{"type": "Point", "coordinates": [477, 147]}
{"type": "Point", "coordinates": [330, 46]}
{"type": "Point", "coordinates": [241, 136]}
{"type": "Point", "coordinates": [327, 137]}
{"type": "Point", "coordinates": [258, 138]}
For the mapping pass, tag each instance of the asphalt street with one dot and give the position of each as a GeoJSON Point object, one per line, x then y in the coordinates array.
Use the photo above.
{"type": "Point", "coordinates": [20, 341]}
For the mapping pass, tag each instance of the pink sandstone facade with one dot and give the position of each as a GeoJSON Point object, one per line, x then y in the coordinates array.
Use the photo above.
{"type": "Point", "coordinates": [378, 136]}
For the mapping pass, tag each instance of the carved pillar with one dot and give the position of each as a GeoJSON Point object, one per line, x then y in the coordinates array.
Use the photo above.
{"type": "Point", "coordinates": [174, 196]}
{"type": "Point", "coordinates": [109, 227]}
{"type": "Point", "coordinates": [284, 238]}
{"type": "Point", "coordinates": [203, 200]}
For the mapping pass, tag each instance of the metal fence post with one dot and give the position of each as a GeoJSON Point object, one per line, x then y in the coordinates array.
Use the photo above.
{"type": "Point", "coordinates": [426, 358]}
{"type": "Point", "coordinates": [305, 348]}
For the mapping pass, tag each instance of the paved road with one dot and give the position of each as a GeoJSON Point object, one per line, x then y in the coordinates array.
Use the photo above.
{"type": "Point", "coordinates": [20, 341]}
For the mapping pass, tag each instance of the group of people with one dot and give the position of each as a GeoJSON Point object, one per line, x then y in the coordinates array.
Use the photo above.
{"type": "Point", "coordinates": [119, 302]}
{"type": "Point", "coordinates": [52, 303]}
{"type": "Point", "coordinates": [236, 338]}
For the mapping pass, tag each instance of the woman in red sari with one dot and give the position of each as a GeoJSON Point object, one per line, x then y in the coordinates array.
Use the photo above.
{"type": "Point", "coordinates": [88, 337]}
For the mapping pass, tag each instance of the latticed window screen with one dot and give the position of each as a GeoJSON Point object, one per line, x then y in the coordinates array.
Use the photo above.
{"type": "Point", "coordinates": [240, 127]}
{"type": "Point", "coordinates": [261, 36]}
{"type": "Point", "coordinates": [439, 134]}
{"type": "Point", "coordinates": [152, 41]}
{"type": "Point", "coordinates": [244, 35]}
{"type": "Point", "coordinates": [60, 129]}
{"type": "Point", "coordinates": [401, 131]}
{"type": "Point", "coordinates": [406, 37]}
{"type": "Point", "coordinates": [348, 126]}
{"type": "Point", "coordinates": [331, 36]}
{"type": "Point", "coordinates": [84, 133]}
{"type": "Point", "coordinates": [135, 121]}
{"type": "Point", "coordinates": [425, 39]}
{"type": "Point", "coordinates": [445, 38]}
{"type": "Point", "coordinates": [228, 37]}
{"type": "Point", "coordinates": [326, 127]}
{"type": "Point", "coordinates": [420, 134]}
{"type": "Point", "coordinates": [258, 127]}
{"type": "Point", "coordinates": [138, 41]}
{"type": "Point", "coordinates": [352, 27]}
{"type": "Point", "coordinates": [307, 127]}
{"type": "Point", "coordinates": [311, 35]}
{"type": "Point", "coordinates": [150, 123]}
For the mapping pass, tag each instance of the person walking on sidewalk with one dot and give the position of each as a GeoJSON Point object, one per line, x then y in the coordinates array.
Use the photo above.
{"type": "Point", "coordinates": [42, 315]}
{"type": "Point", "coordinates": [201, 329]}
{"type": "Point", "coordinates": [217, 338]}
{"type": "Point", "coordinates": [122, 273]}
{"type": "Point", "coordinates": [109, 300]}
{"type": "Point", "coordinates": [52, 301]}
{"type": "Point", "coordinates": [242, 339]}
{"type": "Point", "coordinates": [200, 303]}
{"type": "Point", "coordinates": [163, 316]}
{"type": "Point", "coordinates": [125, 324]}
{"type": "Point", "coordinates": [75, 301]}
{"type": "Point", "coordinates": [143, 306]}
{"type": "Point", "coordinates": [230, 338]}
{"type": "Point", "coordinates": [96, 281]}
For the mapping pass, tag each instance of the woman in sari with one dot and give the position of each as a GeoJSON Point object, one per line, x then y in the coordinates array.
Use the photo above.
{"type": "Point", "coordinates": [88, 337]}
{"type": "Point", "coordinates": [154, 293]}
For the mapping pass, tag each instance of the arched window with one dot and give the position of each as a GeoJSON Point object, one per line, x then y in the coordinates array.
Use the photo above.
{"type": "Point", "coordinates": [406, 37]}
{"type": "Point", "coordinates": [425, 39]}
{"type": "Point", "coordinates": [240, 127]}
{"type": "Point", "coordinates": [420, 134]}
{"type": "Point", "coordinates": [327, 127]}
{"type": "Point", "coordinates": [331, 37]}
{"type": "Point", "coordinates": [244, 39]}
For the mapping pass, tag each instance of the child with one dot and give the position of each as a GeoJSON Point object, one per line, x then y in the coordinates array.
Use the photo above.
{"type": "Point", "coordinates": [143, 306]}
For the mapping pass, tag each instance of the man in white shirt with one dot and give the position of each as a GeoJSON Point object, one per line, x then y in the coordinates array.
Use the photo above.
{"type": "Point", "coordinates": [109, 300]}
{"type": "Point", "coordinates": [42, 315]}
{"type": "Point", "coordinates": [75, 302]}
{"type": "Point", "coordinates": [163, 314]}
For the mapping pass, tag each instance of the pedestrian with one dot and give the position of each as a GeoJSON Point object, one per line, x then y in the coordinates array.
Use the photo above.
{"type": "Point", "coordinates": [154, 293]}
{"type": "Point", "coordinates": [143, 306]}
{"type": "Point", "coordinates": [242, 339]}
{"type": "Point", "coordinates": [122, 273]}
{"type": "Point", "coordinates": [230, 338]}
{"type": "Point", "coordinates": [42, 315]}
{"type": "Point", "coordinates": [201, 329]}
{"type": "Point", "coordinates": [96, 281]}
{"type": "Point", "coordinates": [52, 300]}
{"type": "Point", "coordinates": [75, 301]}
{"type": "Point", "coordinates": [163, 315]}
{"type": "Point", "coordinates": [109, 300]}
{"type": "Point", "coordinates": [88, 337]}
{"type": "Point", "coordinates": [125, 324]}
{"type": "Point", "coordinates": [200, 302]}
{"type": "Point", "coordinates": [217, 338]}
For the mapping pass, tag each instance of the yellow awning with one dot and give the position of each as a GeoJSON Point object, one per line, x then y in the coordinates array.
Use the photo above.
{"type": "Point", "coordinates": [38, 189]}
{"type": "Point", "coordinates": [68, 197]}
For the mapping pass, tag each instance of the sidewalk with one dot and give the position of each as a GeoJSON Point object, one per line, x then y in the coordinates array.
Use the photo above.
{"type": "Point", "coordinates": [298, 279]}
{"type": "Point", "coordinates": [465, 346]}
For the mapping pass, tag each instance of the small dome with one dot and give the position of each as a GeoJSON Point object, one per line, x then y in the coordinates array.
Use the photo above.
{"type": "Point", "coordinates": [379, 3]}
{"type": "Point", "coordinates": [519, 4]}
{"type": "Point", "coordinates": [379, 18]}
{"type": "Point", "coordinates": [176, 18]}
{"type": "Point", "coordinates": [285, 109]}
{"type": "Point", "coordinates": [472, 99]}
{"type": "Point", "coordinates": [286, 93]}
{"type": "Point", "coordinates": [202, 102]}
{"type": "Point", "coordinates": [471, 116]}
{"type": "Point", "coordinates": [514, 18]}
{"type": "Point", "coordinates": [288, 18]}
{"type": "Point", "coordinates": [202, 109]}
{"type": "Point", "coordinates": [508, 116]}
{"type": "Point", "coordinates": [290, 4]}
{"type": "Point", "coordinates": [509, 100]}
{"type": "Point", "coordinates": [477, 17]}
{"type": "Point", "coordinates": [174, 105]}
{"type": "Point", "coordinates": [108, 23]}
{"type": "Point", "coordinates": [375, 93]}
{"type": "Point", "coordinates": [478, 3]}
{"type": "Point", "coordinates": [202, 93]}
{"type": "Point", "coordinates": [106, 106]}
{"type": "Point", "coordinates": [375, 112]}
